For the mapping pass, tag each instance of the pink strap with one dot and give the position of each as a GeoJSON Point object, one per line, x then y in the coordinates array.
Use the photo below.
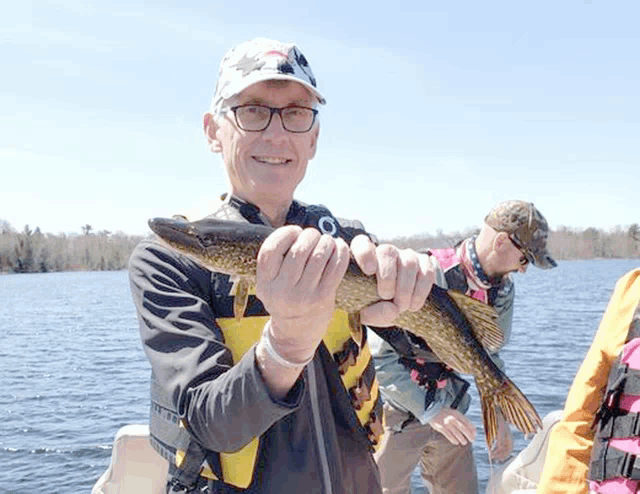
{"type": "Point", "coordinates": [446, 257]}
{"type": "Point", "coordinates": [631, 354]}
{"type": "Point", "coordinates": [630, 402]}
{"type": "Point", "coordinates": [626, 444]}
{"type": "Point", "coordinates": [614, 486]}
{"type": "Point", "coordinates": [481, 295]}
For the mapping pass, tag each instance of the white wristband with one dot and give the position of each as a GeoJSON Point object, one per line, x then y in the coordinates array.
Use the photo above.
{"type": "Point", "coordinates": [273, 353]}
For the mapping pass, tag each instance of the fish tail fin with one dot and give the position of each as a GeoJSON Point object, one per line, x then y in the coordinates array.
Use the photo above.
{"type": "Point", "coordinates": [513, 404]}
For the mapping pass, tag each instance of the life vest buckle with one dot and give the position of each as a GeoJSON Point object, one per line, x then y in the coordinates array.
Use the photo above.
{"type": "Point", "coordinates": [628, 465]}
{"type": "Point", "coordinates": [610, 407]}
{"type": "Point", "coordinates": [177, 487]}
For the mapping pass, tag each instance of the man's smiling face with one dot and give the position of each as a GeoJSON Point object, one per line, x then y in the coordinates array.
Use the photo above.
{"type": "Point", "coordinates": [267, 165]}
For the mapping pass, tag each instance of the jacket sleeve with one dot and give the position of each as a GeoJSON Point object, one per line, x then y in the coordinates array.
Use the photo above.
{"type": "Point", "coordinates": [571, 439]}
{"type": "Point", "coordinates": [394, 380]}
{"type": "Point", "coordinates": [225, 405]}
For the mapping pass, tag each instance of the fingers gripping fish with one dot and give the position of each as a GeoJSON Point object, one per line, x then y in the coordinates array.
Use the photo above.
{"type": "Point", "coordinates": [456, 327]}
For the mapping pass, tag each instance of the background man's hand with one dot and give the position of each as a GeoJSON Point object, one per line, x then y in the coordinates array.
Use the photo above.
{"type": "Point", "coordinates": [454, 426]}
{"type": "Point", "coordinates": [404, 279]}
{"type": "Point", "coordinates": [503, 445]}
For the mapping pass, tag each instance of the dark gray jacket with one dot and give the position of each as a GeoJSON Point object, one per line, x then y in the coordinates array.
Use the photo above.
{"type": "Point", "coordinates": [309, 442]}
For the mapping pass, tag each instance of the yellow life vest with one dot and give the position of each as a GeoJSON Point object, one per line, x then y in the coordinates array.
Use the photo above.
{"type": "Point", "coordinates": [237, 468]}
{"type": "Point", "coordinates": [353, 357]}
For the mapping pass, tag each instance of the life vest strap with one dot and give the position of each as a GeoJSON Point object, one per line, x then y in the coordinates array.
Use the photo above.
{"type": "Point", "coordinates": [623, 381]}
{"type": "Point", "coordinates": [361, 392]}
{"type": "Point", "coordinates": [347, 356]}
{"type": "Point", "coordinates": [608, 463]}
{"type": "Point", "coordinates": [188, 461]}
{"type": "Point", "coordinates": [620, 426]}
{"type": "Point", "coordinates": [375, 425]}
{"type": "Point", "coordinates": [166, 425]}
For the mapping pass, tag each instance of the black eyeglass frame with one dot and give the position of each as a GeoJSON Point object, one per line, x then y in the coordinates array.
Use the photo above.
{"type": "Point", "coordinates": [528, 258]}
{"type": "Point", "coordinates": [234, 109]}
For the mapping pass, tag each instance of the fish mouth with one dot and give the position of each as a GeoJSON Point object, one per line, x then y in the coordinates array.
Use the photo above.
{"type": "Point", "coordinates": [196, 236]}
{"type": "Point", "coordinates": [176, 232]}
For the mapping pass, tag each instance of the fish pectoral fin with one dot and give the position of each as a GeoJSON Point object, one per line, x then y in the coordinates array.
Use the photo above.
{"type": "Point", "coordinates": [241, 297]}
{"type": "Point", "coordinates": [483, 319]}
{"type": "Point", "coordinates": [355, 327]}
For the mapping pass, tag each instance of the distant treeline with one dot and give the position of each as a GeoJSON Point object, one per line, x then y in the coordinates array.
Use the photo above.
{"type": "Point", "coordinates": [564, 243]}
{"type": "Point", "coordinates": [31, 251]}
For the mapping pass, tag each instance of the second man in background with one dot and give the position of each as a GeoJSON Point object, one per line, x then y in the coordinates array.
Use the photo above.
{"type": "Point", "coordinates": [424, 400]}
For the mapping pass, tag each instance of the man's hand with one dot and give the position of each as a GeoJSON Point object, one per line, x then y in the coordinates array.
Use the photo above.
{"type": "Point", "coordinates": [297, 278]}
{"type": "Point", "coordinates": [454, 426]}
{"type": "Point", "coordinates": [404, 279]}
{"type": "Point", "coordinates": [503, 445]}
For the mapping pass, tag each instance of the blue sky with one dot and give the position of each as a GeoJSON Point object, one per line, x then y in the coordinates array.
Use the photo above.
{"type": "Point", "coordinates": [436, 110]}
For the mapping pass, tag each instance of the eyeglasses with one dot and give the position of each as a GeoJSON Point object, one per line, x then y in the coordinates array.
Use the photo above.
{"type": "Point", "coordinates": [526, 257]}
{"type": "Point", "coordinates": [256, 118]}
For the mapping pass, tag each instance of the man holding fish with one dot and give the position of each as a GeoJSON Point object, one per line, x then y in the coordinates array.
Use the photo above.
{"type": "Point", "coordinates": [253, 317]}
{"type": "Point", "coordinates": [269, 390]}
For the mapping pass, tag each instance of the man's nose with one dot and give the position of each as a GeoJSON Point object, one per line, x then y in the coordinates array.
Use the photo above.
{"type": "Point", "coordinates": [275, 130]}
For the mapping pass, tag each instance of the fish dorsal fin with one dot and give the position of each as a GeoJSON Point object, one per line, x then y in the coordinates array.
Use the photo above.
{"type": "Point", "coordinates": [483, 319]}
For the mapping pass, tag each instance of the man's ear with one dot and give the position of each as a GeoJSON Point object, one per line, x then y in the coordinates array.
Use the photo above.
{"type": "Point", "coordinates": [210, 131]}
{"type": "Point", "coordinates": [315, 132]}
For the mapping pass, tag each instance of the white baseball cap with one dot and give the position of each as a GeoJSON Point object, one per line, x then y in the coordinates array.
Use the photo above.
{"type": "Point", "coordinates": [262, 59]}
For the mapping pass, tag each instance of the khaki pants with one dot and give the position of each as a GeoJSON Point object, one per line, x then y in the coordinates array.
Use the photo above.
{"type": "Point", "coordinates": [446, 468]}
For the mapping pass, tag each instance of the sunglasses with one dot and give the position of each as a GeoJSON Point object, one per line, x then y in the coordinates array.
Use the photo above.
{"type": "Point", "coordinates": [524, 259]}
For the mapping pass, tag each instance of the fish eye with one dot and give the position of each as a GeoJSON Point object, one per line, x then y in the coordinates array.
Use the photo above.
{"type": "Point", "coordinates": [205, 240]}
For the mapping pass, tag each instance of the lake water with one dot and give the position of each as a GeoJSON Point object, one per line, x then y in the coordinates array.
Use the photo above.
{"type": "Point", "coordinates": [72, 370]}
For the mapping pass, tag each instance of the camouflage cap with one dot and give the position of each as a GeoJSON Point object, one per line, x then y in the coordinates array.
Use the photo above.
{"type": "Point", "coordinates": [527, 228]}
{"type": "Point", "coordinates": [262, 59]}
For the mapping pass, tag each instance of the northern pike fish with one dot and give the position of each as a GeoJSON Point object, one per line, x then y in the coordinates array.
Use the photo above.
{"type": "Point", "coordinates": [456, 327]}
